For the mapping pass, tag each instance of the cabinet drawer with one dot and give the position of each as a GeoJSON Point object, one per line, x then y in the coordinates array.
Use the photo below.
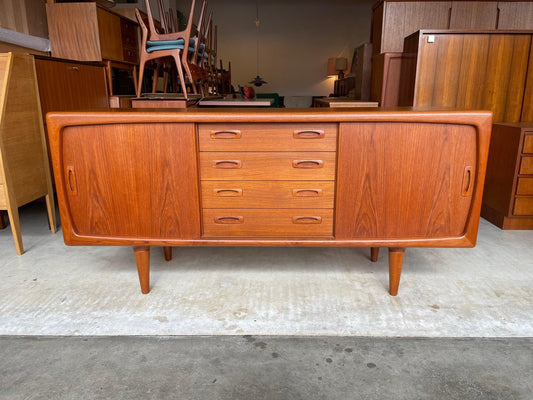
{"type": "Point", "coordinates": [267, 222]}
{"type": "Point", "coordinates": [267, 166]}
{"type": "Point", "coordinates": [528, 143]}
{"type": "Point", "coordinates": [267, 137]}
{"type": "Point", "coordinates": [267, 194]}
{"type": "Point", "coordinates": [526, 165]}
{"type": "Point", "coordinates": [525, 186]}
{"type": "Point", "coordinates": [523, 206]}
{"type": "Point", "coordinates": [3, 197]}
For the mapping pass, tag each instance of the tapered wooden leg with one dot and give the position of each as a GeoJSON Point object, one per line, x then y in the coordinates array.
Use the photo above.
{"type": "Point", "coordinates": [168, 253]}
{"type": "Point", "coordinates": [3, 224]}
{"type": "Point", "coordinates": [50, 208]}
{"type": "Point", "coordinates": [395, 268]}
{"type": "Point", "coordinates": [14, 220]}
{"type": "Point", "coordinates": [142, 256]}
{"type": "Point", "coordinates": [374, 253]}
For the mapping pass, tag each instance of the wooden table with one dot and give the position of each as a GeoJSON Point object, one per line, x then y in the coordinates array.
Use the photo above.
{"type": "Point", "coordinates": [270, 177]}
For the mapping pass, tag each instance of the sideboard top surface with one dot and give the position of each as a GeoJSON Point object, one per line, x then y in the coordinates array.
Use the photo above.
{"type": "Point", "coordinates": [201, 115]}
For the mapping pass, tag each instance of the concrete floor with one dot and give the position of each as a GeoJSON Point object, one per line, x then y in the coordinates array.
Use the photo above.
{"type": "Point", "coordinates": [263, 367]}
{"type": "Point", "coordinates": [54, 289]}
{"type": "Point", "coordinates": [323, 324]}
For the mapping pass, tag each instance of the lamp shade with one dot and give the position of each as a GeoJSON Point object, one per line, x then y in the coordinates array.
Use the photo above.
{"type": "Point", "coordinates": [337, 64]}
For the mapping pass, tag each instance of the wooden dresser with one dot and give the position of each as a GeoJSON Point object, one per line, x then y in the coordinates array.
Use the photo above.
{"type": "Point", "coordinates": [270, 177]}
{"type": "Point", "coordinates": [508, 196]}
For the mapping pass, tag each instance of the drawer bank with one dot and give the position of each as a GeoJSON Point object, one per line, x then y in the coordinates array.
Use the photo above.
{"type": "Point", "coordinates": [270, 177]}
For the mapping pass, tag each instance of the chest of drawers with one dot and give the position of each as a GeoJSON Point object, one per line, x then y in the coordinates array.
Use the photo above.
{"type": "Point", "coordinates": [508, 197]}
{"type": "Point", "coordinates": [316, 177]}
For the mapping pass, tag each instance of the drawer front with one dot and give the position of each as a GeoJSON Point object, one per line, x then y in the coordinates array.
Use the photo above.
{"type": "Point", "coordinates": [525, 186]}
{"type": "Point", "coordinates": [528, 143]}
{"type": "Point", "coordinates": [267, 166]}
{"type": "Point", "coordinates": [267, 137]}
{"type": "Point", "coordinates": [523, 206]}
{"type": "Point", "coordinates": [267, 194]}
{"type": "Point", "coordinates": [268, 222]}
{"type": "Point", "coordinates": [526, 165]}
{"type": "Point", "coordinates": [3, 197]}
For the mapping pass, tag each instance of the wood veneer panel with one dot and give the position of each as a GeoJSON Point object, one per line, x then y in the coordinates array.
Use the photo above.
{"type": "Point", "coordinates": [110, 31]}
{"type": "Point", "coordinates": [523, 206]}
{"type": "Point", "coordinates": [526, 165]}
{"type": "Point", "coordinates": [525, 186]}
{"type": "Point", "coordinates": [407, 182]}
{"type": "Point", "coordinates": [501, 169]}
{"type": "Point", "coordinates": [474, 15]}
{"type": "Point", "coordinates": [527, 105]}
{"type": "Point", "coordinates": [73, 31]}
{"type": "Point", "coordinates": [131, 180]}
{"type": "Point", "coordinates": [515, 15]}
{"type": "Point", "coordinates": [403, 18]}
{"type": "Point", "coordinates": [473, 71]}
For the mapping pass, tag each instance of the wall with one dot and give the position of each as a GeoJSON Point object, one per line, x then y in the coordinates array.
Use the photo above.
{"type": "Point", "coordinates": [295, 40]}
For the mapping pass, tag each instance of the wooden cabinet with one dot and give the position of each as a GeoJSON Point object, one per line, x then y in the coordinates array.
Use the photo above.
{"type": "Point", "coordinates": [508, 196]}
{"type": "Point", "coordinates": [469, 70]}
{"type": "Point", "coordinates": [68, 85]}
{"type": "Point", "coordinates": [393, 21]}
{"type": "Point", "coordinates": [24, 172]}
{"type": "Point", "coordinates": [319, 177]}
{"type": "Point", "coordinates": [88, 32]}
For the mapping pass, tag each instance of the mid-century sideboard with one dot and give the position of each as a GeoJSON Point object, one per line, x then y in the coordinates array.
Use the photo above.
{"type": "Point", "coordinates": [270, 177]}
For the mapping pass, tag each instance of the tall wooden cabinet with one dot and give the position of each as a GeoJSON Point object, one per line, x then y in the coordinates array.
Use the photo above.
{"type": "Point", "coordinates": [24, 172]}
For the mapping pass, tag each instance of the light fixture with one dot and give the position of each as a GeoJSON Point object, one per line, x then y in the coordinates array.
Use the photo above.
{"type": "Point", "coordinates": [337, 66]}
{"type": "Point", "coordinates": [257, 81]}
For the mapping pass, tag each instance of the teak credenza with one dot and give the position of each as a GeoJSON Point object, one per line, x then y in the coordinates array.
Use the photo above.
{"type": "Point", "coordinates": [270, 177]}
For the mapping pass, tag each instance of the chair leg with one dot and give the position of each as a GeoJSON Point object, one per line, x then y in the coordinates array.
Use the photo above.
{"type": "Point", "coordinates": [140, 80]}
{"type": "Point", "coordinates": [155, 78]}
{"type": "Point", "coordinates": [180, 73]}
{"type": "Point", "coordinates": [189, 75]}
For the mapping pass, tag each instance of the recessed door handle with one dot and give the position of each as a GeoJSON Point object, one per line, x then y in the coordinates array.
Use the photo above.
{"type": "Point", "coordinates": [229, 219]}
{"type": "Point", "coordinates": [227, 164]}
{"type": "Point", "coordinates": [71, 180]}
{"type": "Point", "coordinates": [307, 163]}
{"type": "Point", "coordinates": [229, 134]}
{"type": "Point", "coordinates": [227, 192]}
{"type": "Point", "coordinates": [306, 192]}
{"type": "Point", "coordinates": [308, 134]}
{"type": "Point", "coordinates": [307, 219]}
{"type": "Point", "coordinates": [467, 181]}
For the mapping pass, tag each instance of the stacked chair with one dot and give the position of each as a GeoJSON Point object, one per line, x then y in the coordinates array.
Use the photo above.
{"type": "Point", "coordinates": [192, 51]}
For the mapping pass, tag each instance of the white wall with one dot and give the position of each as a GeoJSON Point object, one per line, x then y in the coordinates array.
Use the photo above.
{"type": "Point", "coordinates": [296, 38]}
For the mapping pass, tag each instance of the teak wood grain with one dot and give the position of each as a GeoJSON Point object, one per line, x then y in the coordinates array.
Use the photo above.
{"type": "Point", "coordinates": [402, 178]}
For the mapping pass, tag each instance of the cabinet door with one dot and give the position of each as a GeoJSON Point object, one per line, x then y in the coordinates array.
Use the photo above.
{"type": "Point", "coordinates": [109, 29]}
{"type": "Point", "coordinates": [404, 181]}
{"type": "Point", "coordinates": [474, 15]}
{"type": "Point", "coordinates": [126, 181]}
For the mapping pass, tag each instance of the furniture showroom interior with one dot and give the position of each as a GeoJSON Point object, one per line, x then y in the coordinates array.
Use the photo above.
{"type": "Point", "coordinates": [266, 199]}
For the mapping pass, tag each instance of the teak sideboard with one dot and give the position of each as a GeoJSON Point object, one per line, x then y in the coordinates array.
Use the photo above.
{"type": "Point", "coordinates": [289, 177]}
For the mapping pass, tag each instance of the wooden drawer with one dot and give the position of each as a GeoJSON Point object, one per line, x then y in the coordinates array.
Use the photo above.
{"type": "Point", "coordinates": [526, 165]}
{"type": "Point", "coordinates": [267, 166]}
{"type": "Point", "coordinates": [267, 194]}
{"type": "Point", "coordinates": [528, 144]}
{"type": "Point", "coordinates": [267, 137]}
{"type": "Point", "coordinates": [3, 197]}
{"type": "Point", "coordinates": [267, 222]}
{"type": "Point", "coordinates": [525, 186]}
{"type": "Point", "coordinates": [523, 206]}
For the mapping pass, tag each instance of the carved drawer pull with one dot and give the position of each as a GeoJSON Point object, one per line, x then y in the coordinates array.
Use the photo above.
{"type": "Point", "coordinates": [306, 192]}
{"type": "Point", "coordinates": [228, 164]}
{"type": "Point", "coordinates": [71, 179]}
{"type": "Point", "coordinates": [229, 219]}
{"type": "Point", "coordinates": [467, 181]}
{"type": "Point", "coordinates": [309, 134]}
{"type": "Point", "coordinates": [74, 68]}
{"type": "Point", "coordinates": [226, 134]}
{"type": "Point", "coordinates": [307, 163]}
{"type": "Point", "coordinates": [227, 192]}
{"type": "Point", "coordinates": [307, 219]}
